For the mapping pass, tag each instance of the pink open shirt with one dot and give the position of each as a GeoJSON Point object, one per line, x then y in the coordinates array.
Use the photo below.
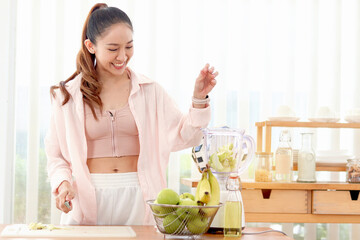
{"type": "Point", "coordinates": [162, 129]}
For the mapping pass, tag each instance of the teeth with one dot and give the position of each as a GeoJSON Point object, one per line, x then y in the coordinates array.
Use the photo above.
{"type": "Point", "coordinates": [119, 65]}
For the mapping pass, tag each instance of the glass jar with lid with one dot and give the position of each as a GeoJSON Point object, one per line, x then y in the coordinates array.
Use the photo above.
{"type": "Point", "coordinates": [353, 170]}
{"type": "Point", "coordinates": [263, 167]}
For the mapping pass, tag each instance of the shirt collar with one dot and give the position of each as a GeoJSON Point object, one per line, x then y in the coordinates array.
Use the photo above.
{"type": "Point", "coordinates": [73, 86]}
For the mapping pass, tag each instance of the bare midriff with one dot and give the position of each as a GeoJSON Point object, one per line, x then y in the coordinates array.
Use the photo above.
{"type": "Point", "coordinates": [113, 164]}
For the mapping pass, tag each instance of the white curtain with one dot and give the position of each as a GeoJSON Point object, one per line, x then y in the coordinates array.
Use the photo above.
{"type": "Point", "coordinates": [7, 106]}
{"type": "Point", "coordinates": [302, 53]}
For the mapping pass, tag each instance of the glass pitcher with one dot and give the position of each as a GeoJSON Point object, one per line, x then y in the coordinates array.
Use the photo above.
{"type": "Point", "coordinates": [228, 150]}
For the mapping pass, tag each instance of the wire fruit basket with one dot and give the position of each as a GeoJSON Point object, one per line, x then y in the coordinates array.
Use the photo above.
{"type": "Point", "coordinates": [183, 220]}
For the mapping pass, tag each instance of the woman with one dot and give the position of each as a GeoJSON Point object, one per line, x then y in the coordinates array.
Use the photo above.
{"type": "Point", "coordinates": [112, 130]}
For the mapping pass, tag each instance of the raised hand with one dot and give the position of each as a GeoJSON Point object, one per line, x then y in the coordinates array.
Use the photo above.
{"type": "Point", "coordinates": [205, 82]}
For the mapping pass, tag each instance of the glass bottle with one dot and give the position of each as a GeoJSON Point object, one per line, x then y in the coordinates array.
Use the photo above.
{"type": "Point", "coordinates": [306, 160]}
{"type": "Point", "coordinates": [233, 207]}
{"type": "Point", "coordinates": [263, 167]}
{"type": "Point", "coordinates": [353, 170]}
{"type": "Point", "coordinates": [284, 158]}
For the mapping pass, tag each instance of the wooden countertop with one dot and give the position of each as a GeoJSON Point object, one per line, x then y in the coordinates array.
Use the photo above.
{"type": "Point", "coordinates": [150, 233]}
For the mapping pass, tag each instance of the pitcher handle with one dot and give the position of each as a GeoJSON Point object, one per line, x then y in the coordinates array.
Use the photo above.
{"type": "Point", "coordinates": [250, 145]}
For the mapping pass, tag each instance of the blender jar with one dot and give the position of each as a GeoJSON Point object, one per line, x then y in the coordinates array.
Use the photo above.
{"type": "Point", "coordinates": [227, 150]}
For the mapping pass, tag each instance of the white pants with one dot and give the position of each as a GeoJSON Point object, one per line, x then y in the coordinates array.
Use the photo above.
{"type": "Point", "coordinates": [119, 200]}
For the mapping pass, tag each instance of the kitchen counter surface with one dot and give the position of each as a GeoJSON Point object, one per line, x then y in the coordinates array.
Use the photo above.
{"type": "Point", "coordinates": [150, 233]}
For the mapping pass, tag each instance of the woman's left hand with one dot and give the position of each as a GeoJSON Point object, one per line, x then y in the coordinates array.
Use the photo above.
{"type": "Point", "coordinates": [205, 82]}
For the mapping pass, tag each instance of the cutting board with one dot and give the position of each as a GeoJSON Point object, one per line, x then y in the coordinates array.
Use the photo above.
{"type": "Point", "coordinates": [22, 230]}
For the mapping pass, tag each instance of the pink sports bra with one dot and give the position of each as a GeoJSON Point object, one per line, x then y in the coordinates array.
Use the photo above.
{"type": "Point", "coordinates": [114, 134]}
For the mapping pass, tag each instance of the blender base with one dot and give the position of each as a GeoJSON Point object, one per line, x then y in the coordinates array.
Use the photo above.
{"type": "Point", "coordinates": [218, 230]}
{"type": "Point", "coordinates": [215, 230]}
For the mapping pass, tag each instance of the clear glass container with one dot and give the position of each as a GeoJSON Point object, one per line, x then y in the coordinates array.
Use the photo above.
{"type": "Point", "coordinates": [353, 170]}
{"type": "Point", "coordinates": [284, 158]}
{"type": "Point", "coordinates": [306, 160]}
{"type": "Point", "coordinates": [263, 167]}
{"type": "Point", "coordinates": [228, 149]}
{"type": "Point", "coordinates": [233, 207]}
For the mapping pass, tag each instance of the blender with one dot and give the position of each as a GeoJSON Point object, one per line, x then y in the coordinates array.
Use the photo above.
{"type": "Point", "coordinates": [225, 150]}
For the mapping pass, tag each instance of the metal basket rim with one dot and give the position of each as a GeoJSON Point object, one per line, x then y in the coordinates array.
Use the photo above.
{"type": "Point", "coordinates": [151, 202]}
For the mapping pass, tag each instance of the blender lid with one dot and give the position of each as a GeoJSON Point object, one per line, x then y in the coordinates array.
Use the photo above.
{"type": "Point", "coordinates": [223, 131]}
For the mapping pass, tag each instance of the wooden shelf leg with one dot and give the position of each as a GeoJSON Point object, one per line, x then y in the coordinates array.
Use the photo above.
{"type": "Point", "coordinates": [259, 139]}
{"type": "Point", "coordinates": [268, 139]}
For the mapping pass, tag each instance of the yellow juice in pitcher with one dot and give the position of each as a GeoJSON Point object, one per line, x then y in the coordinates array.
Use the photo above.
{"type": "Point", "coordinates": [232, 223]}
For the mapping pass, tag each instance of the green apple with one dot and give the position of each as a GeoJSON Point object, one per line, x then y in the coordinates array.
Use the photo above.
{"type": "Point", "coordinates": [159, 211]}
{"type": "Point", "coordinates": [168, 196]}
{"type": "Point", "coordinates": [197, 225]}
{"type": "Point", "coordinates": [187, 195]}
{"type": "Point", "coordinates": [162, 212]}
{"type": "Point", "coordinates": [183, 212]}
{"type": "Point", "coordinates": [156, 209]}
{"type": "Point", "coordinates": [173, 224]}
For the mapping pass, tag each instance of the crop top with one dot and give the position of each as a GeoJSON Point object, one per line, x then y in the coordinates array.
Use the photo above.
{"type": "Point", "coordinates": [114, 134]}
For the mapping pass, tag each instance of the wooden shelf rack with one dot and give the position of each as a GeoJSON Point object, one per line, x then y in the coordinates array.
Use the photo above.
{"type": "Point", "coordinates": [320, 202]}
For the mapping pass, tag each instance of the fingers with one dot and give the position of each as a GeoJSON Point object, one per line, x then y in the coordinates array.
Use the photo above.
{"type": "Point", "coordinates": [63, 200]}
{"type": "Point", "coordinates": [60, 204]}
{"type": "Point", "coordinates": [211, 70]}
{"type": "Point", "coordinates": [206, 67]}
{"type": "Point", "coordinates": [208, 71]}
{"type": "Point", "coordinates": [213, 82]}
{"type": "Point", "coordinates": [70, 196]}
{"type": "Point", "coordinates": [215, 74]}
{"type": "Point", "coordinates": [204, 71]}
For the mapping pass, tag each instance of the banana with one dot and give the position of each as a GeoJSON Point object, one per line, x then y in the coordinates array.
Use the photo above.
{"type": "Point", "coordinates": [203, 191]}
{"type": "Point", "coordinates": [215, 190]}
{"type": "Point", "coordinates": [197, 194]}
{"type": "Point", "coordinates": [205, 197]}
{"type": "Point", "coordinates": [215, 195]}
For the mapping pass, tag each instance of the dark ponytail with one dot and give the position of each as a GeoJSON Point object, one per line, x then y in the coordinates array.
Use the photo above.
{"type": "Point", "coordinates": [100, 18]}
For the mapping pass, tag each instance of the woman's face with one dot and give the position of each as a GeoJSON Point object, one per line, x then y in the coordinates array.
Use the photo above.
{"type": "Point", "coordinates": [113, 50]}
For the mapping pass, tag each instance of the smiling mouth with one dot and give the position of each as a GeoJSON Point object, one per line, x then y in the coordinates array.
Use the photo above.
{"type": "Point", "coordinates": [119, 65]}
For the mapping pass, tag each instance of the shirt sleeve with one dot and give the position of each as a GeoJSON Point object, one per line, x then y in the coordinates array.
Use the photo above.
{"type": "Point", "coordinates": [183, 130]}
{"type": "Point", "coordinates": [58, 168]}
